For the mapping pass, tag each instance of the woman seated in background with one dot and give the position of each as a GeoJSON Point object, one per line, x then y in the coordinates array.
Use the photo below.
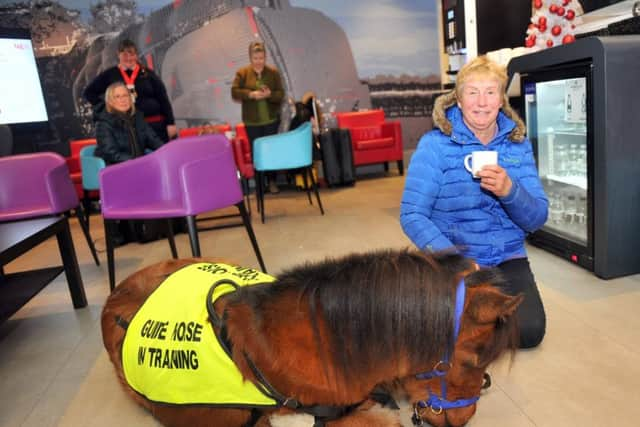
{"type": "Point", "coordinates": [121, 131]}
{"type": "Point", "coordinates": [305, 111]}
{"type": "Point", "coordinates": [122, 134]}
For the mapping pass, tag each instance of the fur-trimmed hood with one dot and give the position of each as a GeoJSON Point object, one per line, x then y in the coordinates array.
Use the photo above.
{"type": "Point", "coordinates": [443, 102]}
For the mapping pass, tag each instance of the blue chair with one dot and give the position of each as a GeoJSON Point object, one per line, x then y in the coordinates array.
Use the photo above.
{"type": "Point", "coordinates": [90, 166]}
{"type": "Point", "coordinates": [285, 151]}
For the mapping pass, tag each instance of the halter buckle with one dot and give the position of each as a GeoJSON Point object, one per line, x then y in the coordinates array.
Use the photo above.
{"type": "Point", "coordinates": [436, 411]}
{"type": "Point", "coordinates": [441, 366]}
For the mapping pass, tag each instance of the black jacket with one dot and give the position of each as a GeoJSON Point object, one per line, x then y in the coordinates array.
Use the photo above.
{"type": "Point", "coordinates": [121, 138]}
{"type": "Point", "coordinates": [151, 97]}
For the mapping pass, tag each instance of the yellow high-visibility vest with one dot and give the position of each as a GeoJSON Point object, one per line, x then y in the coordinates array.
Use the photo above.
{"type": "Point", "coordinates": [170, 353]}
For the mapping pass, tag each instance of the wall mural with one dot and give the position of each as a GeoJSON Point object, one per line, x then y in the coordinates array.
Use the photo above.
{"type": "Point", "coordinates": [353, 55]}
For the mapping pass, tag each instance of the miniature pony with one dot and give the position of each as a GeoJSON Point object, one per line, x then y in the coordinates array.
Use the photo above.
{"type": "Point", "coordinates": [320, 337]}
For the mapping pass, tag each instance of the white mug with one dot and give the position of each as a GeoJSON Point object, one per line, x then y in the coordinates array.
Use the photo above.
{"type": "Point", "coordinates": [478, 160]}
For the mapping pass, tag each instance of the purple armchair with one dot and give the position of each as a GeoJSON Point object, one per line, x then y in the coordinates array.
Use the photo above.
{"type": "Point", "coordinates": [181, 179]}
{"type": "Point", "coordinates": [37, 185]}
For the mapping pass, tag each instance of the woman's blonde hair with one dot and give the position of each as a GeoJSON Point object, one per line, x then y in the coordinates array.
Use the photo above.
{"type": "Point", "coordinates": [484, 67]}
{"type": "Point", "coordinates": [108, 95]}
{"type": "Point", "coordinates": [255, 47]}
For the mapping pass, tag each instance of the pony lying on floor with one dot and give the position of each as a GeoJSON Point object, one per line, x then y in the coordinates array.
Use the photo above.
{"type": "Point", "coordinates": [318, 339]}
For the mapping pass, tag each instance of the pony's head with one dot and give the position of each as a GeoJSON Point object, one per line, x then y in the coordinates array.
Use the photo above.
{"type": "Point", "coordinates": [370, 319]}
{"type": "Point", "coordinates": [447, 395]}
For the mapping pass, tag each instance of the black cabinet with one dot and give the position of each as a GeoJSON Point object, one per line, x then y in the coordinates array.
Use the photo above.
{"type": "Point", "coordinates": [480, 26]}
{"type": "Point", "coordinates": [592, 88]}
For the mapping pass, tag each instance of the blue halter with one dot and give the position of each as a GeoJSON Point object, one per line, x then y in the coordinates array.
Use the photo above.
{"type": "Point", "coordinates": [436, 403]}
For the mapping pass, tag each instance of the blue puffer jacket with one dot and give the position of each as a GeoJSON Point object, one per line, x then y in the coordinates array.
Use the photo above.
{"type": "Point", "coordinates": [443, 206]}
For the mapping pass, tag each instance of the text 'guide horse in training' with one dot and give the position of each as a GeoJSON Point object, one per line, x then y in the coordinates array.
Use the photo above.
{"type": "Point", "coordinates": [204, 343]}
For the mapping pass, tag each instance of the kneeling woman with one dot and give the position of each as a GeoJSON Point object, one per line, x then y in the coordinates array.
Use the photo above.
{"type": "Point", "coordinates": [121, 131]}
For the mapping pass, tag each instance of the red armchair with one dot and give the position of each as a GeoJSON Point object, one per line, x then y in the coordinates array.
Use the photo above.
{"type": "Point", "coordinates": [242, 152]}
{"type": "Point", "coordinates": [242, 155]}
{"type": "Point", "coordinates": [73, 163]}
{"type": "Point", "coordinates": [373, 140]}
{"type": "Point", "coordinates": [194, 131]}
{"type": "Point", "coordinates": [204, 129]}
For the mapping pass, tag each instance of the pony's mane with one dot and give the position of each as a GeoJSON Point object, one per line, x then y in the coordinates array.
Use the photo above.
{"type": "Point", "coordinates": [374, 305]}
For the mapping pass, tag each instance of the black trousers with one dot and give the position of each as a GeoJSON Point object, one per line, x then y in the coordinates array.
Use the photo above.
{"type": "Point", "coordinates": [254, 132]}
{"type": "Point", "coordinates": [531, 316]}
{"type": "Point", "coordinates": [160, 128]}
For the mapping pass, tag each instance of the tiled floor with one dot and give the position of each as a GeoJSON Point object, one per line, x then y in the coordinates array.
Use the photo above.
{"type": "Point", "coordinates": [54, 371]}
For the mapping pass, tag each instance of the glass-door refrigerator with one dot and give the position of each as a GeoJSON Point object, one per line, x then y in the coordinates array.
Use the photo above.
{"type": "Point", "coordinates": [557, 113]}
{"type": "Point", "coordinates": [580, 105]}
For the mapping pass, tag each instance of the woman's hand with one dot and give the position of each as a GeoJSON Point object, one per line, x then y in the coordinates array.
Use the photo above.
{"type": "Point", "coordinates": [493, 178]}
{"type": "Point", "coordinates": [172, 131]}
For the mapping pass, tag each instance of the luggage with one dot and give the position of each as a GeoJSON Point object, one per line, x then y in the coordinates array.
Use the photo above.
{"type": "Point", "coordinates": [337, 157]}
{"type": "Point", "coordinates": [149, 230]}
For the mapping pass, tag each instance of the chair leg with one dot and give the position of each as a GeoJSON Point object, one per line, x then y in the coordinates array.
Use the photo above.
{"type": "Point", "coordinates": [85, 230]}
{"type": "Point", "coordinates": [86, 204]}
{"type": "Point", "coordinates": [401, 167]}
{"type": "Point", "coordinates": [263, 181]}
{"type": "Point", "coordinates": [256, 181]}
{"type": "Point", "coordinates": [109, 229]}
{"type": "Point", "coordinates": [260, 190]}
{"type": "Point", "coordinates": [246, 190]}
{"type": "Point", "coordinates": [252, 236]}
{"type": "Point", "coordinates": [306, 185]}
{"type": "Point", "coordinates": [315, 189]}
{"type": "Point", "coordinates": [171, 239]}
{"type": "Point", "coordinates": [193, 236]}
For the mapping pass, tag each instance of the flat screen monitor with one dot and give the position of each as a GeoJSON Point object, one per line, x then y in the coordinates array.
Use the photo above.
{"type": "Point", "coordinates": [22, 100]}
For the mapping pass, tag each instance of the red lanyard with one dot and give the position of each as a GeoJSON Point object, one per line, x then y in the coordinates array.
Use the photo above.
{"type": "Point", "coordinates": [129, 81]}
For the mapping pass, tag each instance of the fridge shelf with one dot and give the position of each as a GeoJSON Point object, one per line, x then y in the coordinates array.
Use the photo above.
{"type": "Point", "coordinates": [572, 133]}
{"type": "Point", "coordinates": [573, 232]}
{"type": "Point", "coordinates": [576, 181]}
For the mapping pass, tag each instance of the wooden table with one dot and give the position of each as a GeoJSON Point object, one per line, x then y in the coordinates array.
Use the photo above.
{"type": "Point", "coordinates": [17, 238]}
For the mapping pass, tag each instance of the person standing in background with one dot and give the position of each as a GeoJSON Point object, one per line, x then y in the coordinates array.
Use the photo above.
{"type": "Point", "coordinates": [258, 87]}
{"type": "Point", "coordinates": [148, 92]}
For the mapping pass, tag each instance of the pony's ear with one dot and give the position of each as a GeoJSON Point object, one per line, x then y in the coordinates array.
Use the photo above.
{"type": "Point", "coordinates": [489, 305]}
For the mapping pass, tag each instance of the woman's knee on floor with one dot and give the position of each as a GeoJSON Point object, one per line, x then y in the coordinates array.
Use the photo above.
{"type": "Point", "coordinates": [532, 331]}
